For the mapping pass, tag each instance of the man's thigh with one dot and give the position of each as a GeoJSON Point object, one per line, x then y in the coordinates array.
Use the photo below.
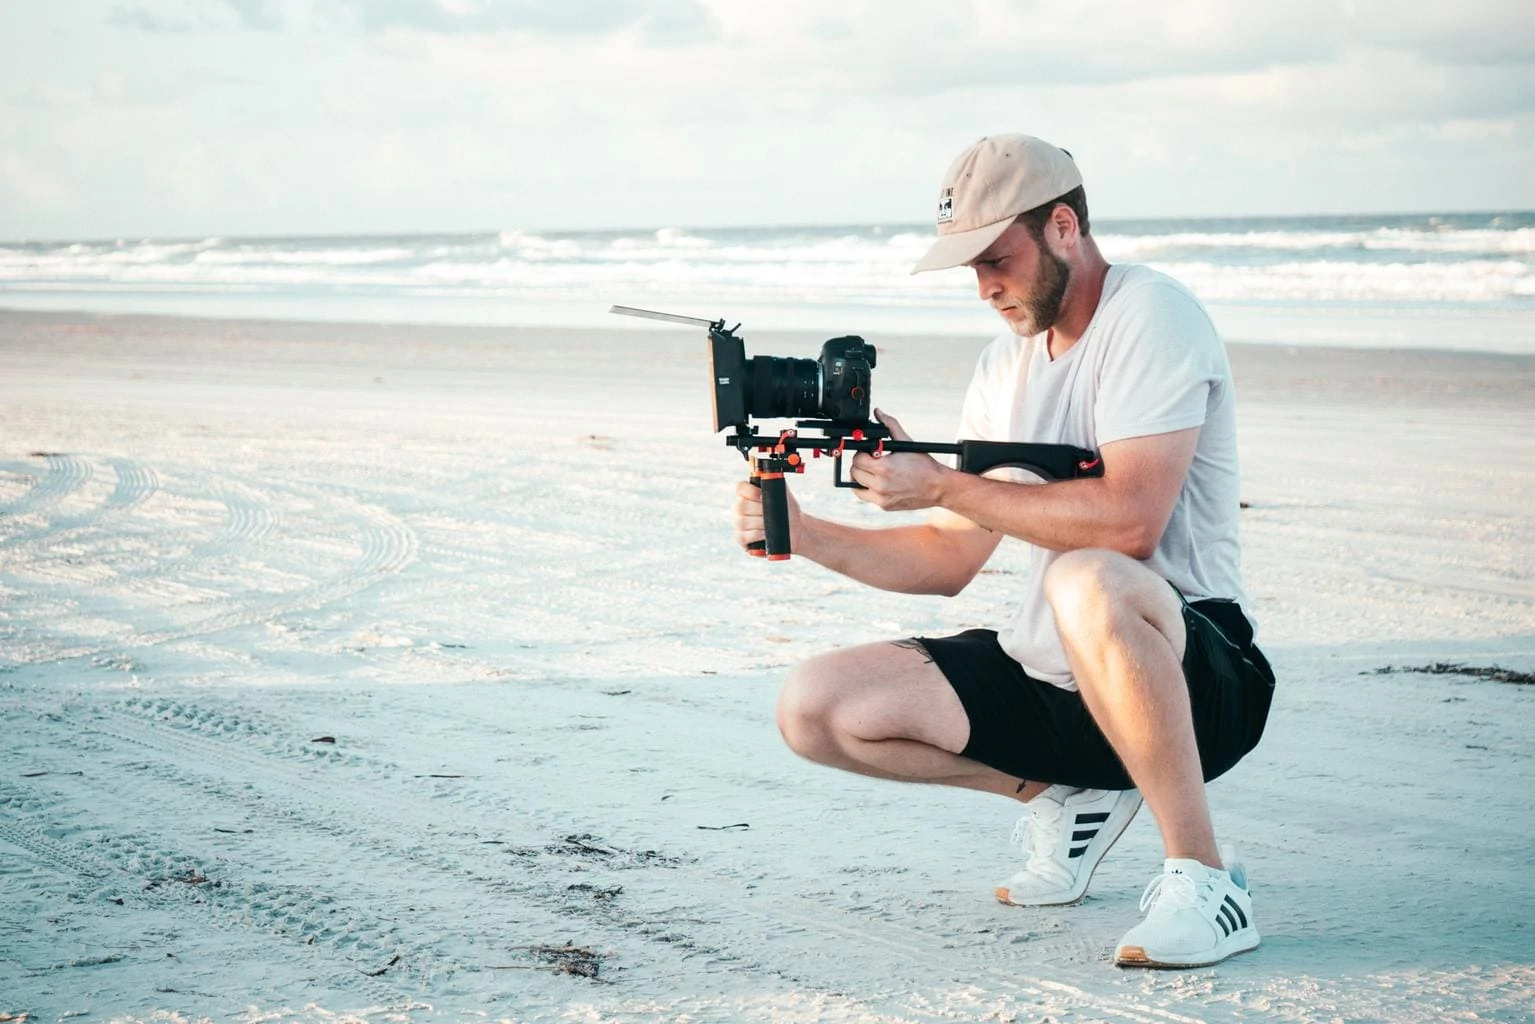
{"type": "Point", "coordinates": [1088, 590]}
{"type": "Point", "coordinates": [880, 691]}
{"type": "Point", "coordinates": [1021, 726]}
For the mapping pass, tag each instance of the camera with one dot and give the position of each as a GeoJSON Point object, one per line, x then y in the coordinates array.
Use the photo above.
{"type": "Point", "coordinates": [834, 387]}
{"type": "Point", "coordinates": [832, 396]}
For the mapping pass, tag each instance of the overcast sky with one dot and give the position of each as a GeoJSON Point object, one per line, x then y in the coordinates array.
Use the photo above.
{"type": "Point", "coordinates": [202, 117]}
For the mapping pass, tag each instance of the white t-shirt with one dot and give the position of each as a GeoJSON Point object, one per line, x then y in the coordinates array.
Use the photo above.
{"type": "Point", "coordinates": [1150, 362]}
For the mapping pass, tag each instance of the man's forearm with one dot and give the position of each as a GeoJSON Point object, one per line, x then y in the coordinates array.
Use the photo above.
{"type": "Point", "coordinates": [1125, 510]}
{"type": "Point", "coordinates": [1063, 516]}
{"type": "Point", "coordinates": [916, 559]}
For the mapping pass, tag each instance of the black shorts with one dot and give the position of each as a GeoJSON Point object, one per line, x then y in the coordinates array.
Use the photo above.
{"type": "Point", "coordinates": [1035, 730]}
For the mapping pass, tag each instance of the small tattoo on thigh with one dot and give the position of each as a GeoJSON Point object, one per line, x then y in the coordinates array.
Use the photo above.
{"type": "Point", "coordinates": [913, 644]}
{"type": "Point", "coordinates": [1022, 785]}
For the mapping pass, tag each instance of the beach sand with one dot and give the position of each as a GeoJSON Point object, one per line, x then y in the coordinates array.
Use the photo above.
{"type": "Point", "coordinates": [411, 674]}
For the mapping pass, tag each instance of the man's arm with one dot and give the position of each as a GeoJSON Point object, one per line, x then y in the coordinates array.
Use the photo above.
{"type": "Point", "coordinates": [940, 556]}
{"type": "Point", "coordinates": [1124, 510]}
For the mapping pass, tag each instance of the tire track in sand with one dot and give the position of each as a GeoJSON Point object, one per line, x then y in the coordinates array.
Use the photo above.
{"type": "Point", "coordinates": [710, 924]}
{"type": "Point", "coordinates": [387, 545]}
{"type": "Point", "coordinates": [249, 520]}
{"type": "Point", "coordinates": [66, 474]}
{"type": "Point", "coordinates": [135, 483]}
{"type": "Point", "coordinates": [294, 811]}
{"type": "Point", "coordinates": [144, 872]}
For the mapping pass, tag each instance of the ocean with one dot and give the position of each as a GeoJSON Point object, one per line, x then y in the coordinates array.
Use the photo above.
{"type": "Point", "coordinates": [1455, 281]}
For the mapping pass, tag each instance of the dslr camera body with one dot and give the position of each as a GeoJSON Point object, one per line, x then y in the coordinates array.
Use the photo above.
{"type": "Point", "coordinates": [834, 387]}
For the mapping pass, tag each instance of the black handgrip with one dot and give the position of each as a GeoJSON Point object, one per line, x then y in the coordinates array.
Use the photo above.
{"type": "Point", "coordinates": [757, 548]}
{"type": "Point", "coordinates": [775, 515]}
{"type": "Point", "coordinates": [1051, 461]}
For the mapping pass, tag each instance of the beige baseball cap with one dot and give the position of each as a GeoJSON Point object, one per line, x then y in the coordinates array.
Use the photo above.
{"type": "Point", "coordinates": [990, 184]}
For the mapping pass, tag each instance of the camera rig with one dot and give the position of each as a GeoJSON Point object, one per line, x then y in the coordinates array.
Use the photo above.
{"type": "Point", "coordinates": [832, 394]}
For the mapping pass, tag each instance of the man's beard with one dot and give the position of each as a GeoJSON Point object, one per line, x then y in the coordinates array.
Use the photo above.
{"type": "Point", "coordinates": [1043, 303]}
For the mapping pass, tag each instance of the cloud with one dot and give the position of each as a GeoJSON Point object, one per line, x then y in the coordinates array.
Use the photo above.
{"type": "Point", "coordinates": [909, 48]}
{"type": "Point", "coordinates": [914, 47]}
{"type": "Point", "coordinates": [180, 17]}
{"type": "Point", "coordinates": [1367, 87]}
{"type": "Point", "coordinates": [443, 113]}
{"type": "Point", "coordinates": [145, 20]}
{"type": "Point", "coordinates": [660, 22]}
{"type": "Point", "coordinates": [262, 15]}
{"type": "Point", "coordinates": [1477, 32]}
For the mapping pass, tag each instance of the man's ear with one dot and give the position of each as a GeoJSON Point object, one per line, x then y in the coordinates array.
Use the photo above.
{"type": "Point", "coordinates": [1063, 224]}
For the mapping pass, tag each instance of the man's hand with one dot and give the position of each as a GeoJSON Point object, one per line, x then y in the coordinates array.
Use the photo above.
{"type": "Point", "coordinates": [746, 516]}
{"type": "Point", "coordinates": [898, 481]}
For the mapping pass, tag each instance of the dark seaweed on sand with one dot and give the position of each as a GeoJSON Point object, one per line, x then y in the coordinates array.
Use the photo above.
{"type": "Point", "coordinates": [1452, 668]}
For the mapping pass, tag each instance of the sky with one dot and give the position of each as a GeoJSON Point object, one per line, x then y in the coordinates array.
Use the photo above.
{"type": "Point", "coordinates": [190, 118]}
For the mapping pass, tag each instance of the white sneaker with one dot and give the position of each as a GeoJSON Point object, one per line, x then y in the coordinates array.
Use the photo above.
{"type": "Point", "coordinates": [1066, 833]}
{"type": "Point", "coordinates": [1195, 916]}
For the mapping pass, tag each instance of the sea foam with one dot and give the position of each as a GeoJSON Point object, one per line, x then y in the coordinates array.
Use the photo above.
{"type": "Point", "coordinates": [843, 276]}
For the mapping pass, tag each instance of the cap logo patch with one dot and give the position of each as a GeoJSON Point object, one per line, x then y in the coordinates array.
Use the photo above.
{"type": "Point", "coordinates": [946, 206]}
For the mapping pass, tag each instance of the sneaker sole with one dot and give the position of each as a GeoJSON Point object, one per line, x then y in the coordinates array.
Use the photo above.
{"type": "Point", "coordinates": [1075, 894]}
{"type": "Point", "coordinates": [1136, 956]}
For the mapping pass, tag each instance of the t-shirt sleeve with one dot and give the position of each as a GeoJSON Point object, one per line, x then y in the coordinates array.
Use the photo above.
{"type": "Point", "coordinates": [975, 417]}
{"type": "Point", "coordinates": [1157, 372]}
{"type": "Point", "coordinates": [978, 420]}
{"type": "Point", "coordinates": [987, 410]}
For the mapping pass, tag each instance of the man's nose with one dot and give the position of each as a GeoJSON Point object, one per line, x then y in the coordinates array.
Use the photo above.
{"type": "Point", "coordinates": [986, 283]}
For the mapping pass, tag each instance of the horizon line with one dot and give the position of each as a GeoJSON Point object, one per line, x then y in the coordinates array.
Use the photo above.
{"type": "Point", "coordinates": [203, 237]}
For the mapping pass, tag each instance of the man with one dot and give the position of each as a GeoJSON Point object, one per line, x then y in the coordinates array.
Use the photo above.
{"type": "Point", "coordinates": [1129, 670]}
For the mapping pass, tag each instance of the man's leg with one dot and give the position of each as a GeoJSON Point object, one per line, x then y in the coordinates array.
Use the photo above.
{"type": "Point", "coordinates": [885, 710]}
{"type": "Point", "coordinates": [1122, 628]}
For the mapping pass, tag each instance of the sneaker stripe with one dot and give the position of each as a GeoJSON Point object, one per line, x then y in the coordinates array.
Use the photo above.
{"type": "Point", "coordinates": [1096, 818]}
{"type": "Point", "coordinates": [1083, 835]}
{"type": "Point", "coordinates": [1227, 919]}
{"type": "Point", "coordinates": [1220, 919]}
{"type": "Point", "coordinates": [1076, 851]}
{"type": "Point", "coordinates": [1232, 904]}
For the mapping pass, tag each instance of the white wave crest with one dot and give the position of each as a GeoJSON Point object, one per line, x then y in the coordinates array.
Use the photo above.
{"type": "Point", "coordinates": [1448, 240]}
{"type": "Point", "coordinates": [255, 256]}
{"type": "Point", "coordinates": [850, 267]}
{"type": "Point", "coordinates": [676, 238]}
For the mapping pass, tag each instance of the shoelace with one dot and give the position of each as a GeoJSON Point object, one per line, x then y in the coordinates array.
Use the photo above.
{"type": "Point", "coordinates": [1038, 830]}
{"type": "Point", "coordinates": [1170, 891]}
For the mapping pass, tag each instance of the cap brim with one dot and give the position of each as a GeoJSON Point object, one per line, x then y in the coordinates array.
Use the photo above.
{"type": "Point", "coordinates": [959, 248]}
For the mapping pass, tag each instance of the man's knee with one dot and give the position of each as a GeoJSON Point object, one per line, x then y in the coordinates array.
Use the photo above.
{"type": "Point", "coordinates": [874, 692]}
{"type": "Point", "coordinates": [1093, 593]}
{"type": "Point", "coordinates": [805, 707]}
{"type": "Point", "coordinates": [1084, 589]}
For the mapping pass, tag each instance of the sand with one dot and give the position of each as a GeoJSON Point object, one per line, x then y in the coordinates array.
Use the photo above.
{"type": "Point", "coordinates": [410, 674]}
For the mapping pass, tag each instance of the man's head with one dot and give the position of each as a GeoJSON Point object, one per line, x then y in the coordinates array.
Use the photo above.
{"type": "Point", "coordinates": [1013, 208]}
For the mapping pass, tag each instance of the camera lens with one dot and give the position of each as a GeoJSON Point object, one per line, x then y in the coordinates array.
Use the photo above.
{"type": "Point", "coordinates": [785, 387]}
